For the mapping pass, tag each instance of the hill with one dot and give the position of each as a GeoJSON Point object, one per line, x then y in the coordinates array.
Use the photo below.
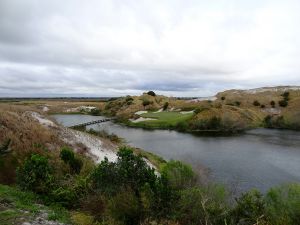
{"type": "Point", "coordinates": [228, 111]}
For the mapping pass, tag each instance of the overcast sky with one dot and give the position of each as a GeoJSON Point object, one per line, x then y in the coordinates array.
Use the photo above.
{"type": "Point", "coordinates": [174, 47]}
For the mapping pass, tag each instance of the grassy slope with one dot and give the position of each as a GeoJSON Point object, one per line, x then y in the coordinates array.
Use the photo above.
{"type": "Point", "coordinates": [291, 113]}
{"type": "Point", "coordinates": [165, 118]}
{"type": "Point", "coordinates": [17, 207]}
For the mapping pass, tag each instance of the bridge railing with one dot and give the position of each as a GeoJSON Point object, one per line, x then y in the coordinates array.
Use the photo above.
{"type": "Point", "coordinates": [90, 123]}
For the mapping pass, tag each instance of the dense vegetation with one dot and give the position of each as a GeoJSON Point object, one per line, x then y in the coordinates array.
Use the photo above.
{"type": "Point", "coordinates": [130, 192]}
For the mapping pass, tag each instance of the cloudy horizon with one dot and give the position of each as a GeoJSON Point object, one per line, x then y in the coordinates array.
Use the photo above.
{"type": "Point", "coordinates": [120, 47]}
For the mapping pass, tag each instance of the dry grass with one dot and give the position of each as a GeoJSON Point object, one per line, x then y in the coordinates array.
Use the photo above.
{"type": "Point", "coordinates": [26, 135]}
{"type": "Point", "coordinates": [59, 106]}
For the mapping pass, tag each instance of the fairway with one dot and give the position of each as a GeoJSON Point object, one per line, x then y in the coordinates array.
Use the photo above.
{"type": "Point", "coordinates": [165, 118]}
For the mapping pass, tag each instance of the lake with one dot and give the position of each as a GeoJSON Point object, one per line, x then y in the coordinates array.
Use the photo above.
{"type": "Point", "coordinates": [260, 158]}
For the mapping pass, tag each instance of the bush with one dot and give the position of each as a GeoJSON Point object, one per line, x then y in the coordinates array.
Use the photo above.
{"type": "Point", "coordinates": [68, 156]}
{"type": "Point", "coordinates": [4, 148]}
{"type": "Point", "coordinates": [124, 207]}
{"type": "Point", "coordinates": [237, 103]}
{"type": "Point", "coordinates": [272, 103]}
{"type": "Point", "coordinates": [283, 103]}
{"type": "Point", "coordinates": [223, 98]}
{"type": "Point", "coordinates": [95, 112]}
{"type": "Point", "coordinates": [286, 95]}
{"type": "Point", "coordinates": [203, 205]}
{"type": "Point", "coordinates": [250, 208]}
{"type": "Point", "coordinates": [214, 123]}
{"type": "Point", "coordinates": [95, 204]}
{"type": "Point", "coordinates": [35, 174]}
{"type": "Point", "coordinates": [268, 121]}
{"type": "Point", "coordinates": [152, 93]}
{"type": "Point", "coordinates": [256, 103]}
{"type": "Point", "coordinates": [166, 105]}
{"type": "Point", "coordinates": [283, 205]}
{"type": "Point", "coordinates": [262, 106]}
{"type": "Point", "coordinates": [179, 175]}
{"type": "Point", "coordinates": [146, 102]}
{"type": "Point", "coordinates": [129, 171]}
{"type": "Point", "coordinates": [132, 187]}
{"type": "Point", "coordinates": [129, 100]}
{"type": "Point", "coordinates": [182, 126]}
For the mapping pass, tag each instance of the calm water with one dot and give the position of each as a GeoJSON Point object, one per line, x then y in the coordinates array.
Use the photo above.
{"type": "Point", "coordinates": [260, 158]}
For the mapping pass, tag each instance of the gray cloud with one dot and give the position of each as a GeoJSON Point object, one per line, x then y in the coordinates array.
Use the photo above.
{"type": "Point", "coordinates": [111, 48]}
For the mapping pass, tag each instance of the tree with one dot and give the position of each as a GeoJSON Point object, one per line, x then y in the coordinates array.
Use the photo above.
{"type": "Point", "coordinates": [152, 93]}
{"type": "Point", "coordinates": [286, 95]}
{"type": "Point", "coordinates": [223, 98]}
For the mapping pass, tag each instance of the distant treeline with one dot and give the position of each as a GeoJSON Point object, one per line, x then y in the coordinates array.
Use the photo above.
{"type": "Point", "coordinates": [12, 99]}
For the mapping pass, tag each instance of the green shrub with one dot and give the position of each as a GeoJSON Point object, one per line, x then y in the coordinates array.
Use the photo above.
{"type": "Point", "coordinates": [203, 205]}
{"type": "Point", "coordinates": [178, 175]}
{"type": "Point", "coordinates": [182, 126]}
{"type": "Point", "coordinates": [68, 156]}
{"type": "Point", "coordinates": [283, 205]}
{"type": "Point", "coordinates": [76, 165]}
{"type": "Point", "coordinates": [286, 95]}
{"type": "Point", "coordinates": [146, 102]}
{"type": "Point", "coordinates": [95, 112]}
{"type": "Point", "coordinates": [214, 123]}
{"type": "Point", "coordinates": [124, 207]}
{"type": "Point", "coordinates": [250, 208]}
{"type": "Point", "coordinates": [129, 100]}
{"type": "Point", "coordinates": [94, 204]}
{"type": "Point", "coordinates": [268, 121]}
{"type": "Point", "coordinates": [103, 133]}
{"type": "Point", "coordinates": [35, 174]}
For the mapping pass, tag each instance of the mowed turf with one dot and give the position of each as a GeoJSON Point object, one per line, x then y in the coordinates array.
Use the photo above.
{"type": "Point", "coordinates": [165, 118]}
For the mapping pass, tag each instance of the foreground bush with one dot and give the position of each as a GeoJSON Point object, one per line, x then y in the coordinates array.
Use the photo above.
{"type": "Point", "coordinates": [130, 192]}
{"type": "Point", "coordinates": [68, 156]}
{"type": "Point", "coordinates": [283, 205]}
{"type": "Point", "coordinates": [203, 205]}
{"type": "Point", "coordinates": [35, 174]}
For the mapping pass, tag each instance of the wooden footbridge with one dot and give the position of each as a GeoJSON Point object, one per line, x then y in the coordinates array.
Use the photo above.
{"type": "Point", "coordinates": [91, 122]}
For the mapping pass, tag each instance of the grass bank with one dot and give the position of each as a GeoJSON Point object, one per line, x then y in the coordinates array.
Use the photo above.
{"type": "Point", "coordinates": [162, 120]}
